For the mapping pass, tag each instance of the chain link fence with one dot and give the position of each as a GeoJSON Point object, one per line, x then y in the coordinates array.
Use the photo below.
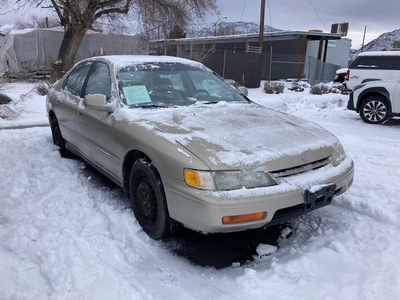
{"type": "Point", "coordinates": [272, 66]}
{"type": "Point", "coordinates": [320, 72]}
{"type": "Point", "coordinates": [30, 54]}
{"type": "Point", "coordinates": [310, 69]}
{"type": "Point", "coordinates": [27, 57]}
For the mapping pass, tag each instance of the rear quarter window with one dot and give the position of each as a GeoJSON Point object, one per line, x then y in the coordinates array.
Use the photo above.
{"type": "Point", "coordinates": [376, 63]}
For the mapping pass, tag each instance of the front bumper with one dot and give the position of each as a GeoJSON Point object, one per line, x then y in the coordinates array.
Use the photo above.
{"type": "Point", "coordinates": [203, 211]}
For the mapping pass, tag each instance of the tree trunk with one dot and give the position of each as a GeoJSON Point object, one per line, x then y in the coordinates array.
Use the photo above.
{"type": "Point", "coordinates": [69, 47]}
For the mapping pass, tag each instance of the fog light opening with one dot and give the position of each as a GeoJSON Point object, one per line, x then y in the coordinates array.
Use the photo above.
{"type": "Point", "coordinates": [226, 220]}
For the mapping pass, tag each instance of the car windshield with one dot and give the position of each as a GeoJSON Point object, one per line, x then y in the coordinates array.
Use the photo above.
{"type": "Point", "coordinates": [169, 84]}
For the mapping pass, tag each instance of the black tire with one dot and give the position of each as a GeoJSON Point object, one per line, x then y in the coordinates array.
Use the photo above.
{"type": "Point", "coordinates": [149, 202]}
{"type": "Point", "coordinates": [374, 110]}
{"type": "Point", "coordinates": [58, 139]}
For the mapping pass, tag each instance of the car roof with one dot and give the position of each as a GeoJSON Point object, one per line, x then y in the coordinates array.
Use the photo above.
{"type": "Point", "coordinates": [138, 59]}
{"type": "Point", "coordinates": [380, 53]}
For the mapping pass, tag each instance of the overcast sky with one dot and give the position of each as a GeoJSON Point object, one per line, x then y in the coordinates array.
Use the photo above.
{"type": "Point", "coordinates": [303, 15]}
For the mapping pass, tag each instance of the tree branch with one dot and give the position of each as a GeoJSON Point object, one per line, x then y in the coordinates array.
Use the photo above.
{"type": "Point", "coordinates": [118, 10]}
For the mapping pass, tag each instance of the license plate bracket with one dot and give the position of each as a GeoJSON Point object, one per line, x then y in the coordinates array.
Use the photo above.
{"type": "Point", "coordinates": [319, 198]}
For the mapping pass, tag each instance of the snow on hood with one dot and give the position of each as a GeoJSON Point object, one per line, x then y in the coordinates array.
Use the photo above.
{"type": "Point", "coordinates": [233, 134]}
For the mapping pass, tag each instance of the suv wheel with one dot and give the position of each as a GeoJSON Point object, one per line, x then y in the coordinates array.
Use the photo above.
{"type": "Point", "coordinates": [374, 110]}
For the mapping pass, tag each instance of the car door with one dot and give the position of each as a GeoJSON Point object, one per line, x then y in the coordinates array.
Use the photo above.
{"type": "Point", "coordinates": [95, 129]}
{"type": "Point", "coordinates": [67, 103]}
{"type": "Point", "coordinates": [396, 99]}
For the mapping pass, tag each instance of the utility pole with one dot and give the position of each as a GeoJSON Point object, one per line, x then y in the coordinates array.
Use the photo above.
{"type": "Point", "coordinates": [362, 46]}
{"type": "Point", "coordinates": [261, 33]}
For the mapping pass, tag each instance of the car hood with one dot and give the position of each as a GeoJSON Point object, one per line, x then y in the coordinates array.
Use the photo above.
{"type": "Point", "coordinates": [231, 136]}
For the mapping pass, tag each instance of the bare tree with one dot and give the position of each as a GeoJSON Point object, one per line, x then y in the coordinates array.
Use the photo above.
{"type": "Point", "coordinates": [197, 52]}
{"type": "Point", "coordinates": [79, 16]}
{"type": "Point", "coordinates": [226, 30]}
{"type": "Point", "coordinates": [38, 22]}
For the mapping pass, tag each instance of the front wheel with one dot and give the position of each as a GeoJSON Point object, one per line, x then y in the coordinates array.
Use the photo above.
{"type": "Point", "coordinates": [149, 202]}
{"type": "Point", "coordinates": [374, 110]}
{"type": "Point", "coordinates": [58, 139]}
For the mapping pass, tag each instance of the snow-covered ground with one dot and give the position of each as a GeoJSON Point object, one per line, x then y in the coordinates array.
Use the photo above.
{"type": "Point", "coordinates": [63, 237]}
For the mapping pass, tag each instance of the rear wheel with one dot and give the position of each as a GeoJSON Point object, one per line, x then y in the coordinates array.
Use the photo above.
{"type": "Point", "coordinates": [58, 139]}
{"type": "Point", "coordinates": [149, 202]}
{"type": "Point", "coordinates": [374, 110]}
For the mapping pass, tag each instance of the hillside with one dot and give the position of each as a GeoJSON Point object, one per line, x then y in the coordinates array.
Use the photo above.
{"type": "Point", "coordinates": [382, 43]}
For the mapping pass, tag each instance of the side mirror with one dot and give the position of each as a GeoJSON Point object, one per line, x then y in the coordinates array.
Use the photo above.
{"type": "Point", "coordinates": [97, 102]}
{"type": "Point", "coordinates": [243, 90]}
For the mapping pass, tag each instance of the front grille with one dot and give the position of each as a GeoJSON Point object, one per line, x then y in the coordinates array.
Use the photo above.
{"type": "Point", "coordinates": [285, 214]}
{"type": "Point", "coordinates": [288, 211]}
{"type": "Point", "coordinates": [303, 168]}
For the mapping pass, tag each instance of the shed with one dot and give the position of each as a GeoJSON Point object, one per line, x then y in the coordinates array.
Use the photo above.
{"type": "Point", "coordinates": [313, 55]}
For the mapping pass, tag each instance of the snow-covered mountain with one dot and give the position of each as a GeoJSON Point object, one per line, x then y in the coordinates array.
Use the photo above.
{"type": "Point", "coordinates": [382, 43]}
{"type": "Point", "coordinates": [239, 27]}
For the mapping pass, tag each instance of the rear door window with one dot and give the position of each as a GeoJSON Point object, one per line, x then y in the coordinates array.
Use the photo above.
{"type": "Point", "coordinates": [377, 63]}
{"type": "Point", "coordinates": [367, 63]}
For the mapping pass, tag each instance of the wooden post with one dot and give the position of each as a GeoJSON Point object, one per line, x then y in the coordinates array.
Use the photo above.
{"type": "Point", "coordinates": [363, 41]}
{"type": "Point", "coordinates": [262, 17]}
{"type": "Point", "coordinates": [303, 51]}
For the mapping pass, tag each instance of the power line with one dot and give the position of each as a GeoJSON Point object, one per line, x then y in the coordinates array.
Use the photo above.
{"type": "Point", "coordinates": [269, 11]}
{"type": "Point", "coordinates": [318, 15]}
{"type": "Point", "coordinates": [244, 5]}
{"type": "Point", "coordinates": [340, 40]}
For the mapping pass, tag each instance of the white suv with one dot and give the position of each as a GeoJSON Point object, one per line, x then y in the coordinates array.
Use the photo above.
{"type": "Point", "coordinates": [376, 101]}
{"type": "Point", "coordinates": [374, 65]}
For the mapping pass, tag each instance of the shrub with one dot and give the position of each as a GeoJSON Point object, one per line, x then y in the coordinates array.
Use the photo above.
{"type": "Point", "coordinates": [320, 89]}
{"type": "Point", "coordinates": [341, 89]}
{"type": "Point", "coordinates": [4, 99]}
{"type": "Point", "coordinates": [43, 88]}
{"type": "Point", "coordinates": [274, 87]}
{"type": "Point", "coordinates": [299, 86]}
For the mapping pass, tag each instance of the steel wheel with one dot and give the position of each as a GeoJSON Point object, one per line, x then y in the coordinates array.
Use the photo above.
{"type": "Point", "coordinates": [148, 201]}
{"type": "Point", "coordinates": [374, 110]}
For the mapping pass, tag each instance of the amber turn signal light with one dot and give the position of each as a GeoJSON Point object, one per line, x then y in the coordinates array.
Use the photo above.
{"type": "Point", "coordinates": [243, 218]}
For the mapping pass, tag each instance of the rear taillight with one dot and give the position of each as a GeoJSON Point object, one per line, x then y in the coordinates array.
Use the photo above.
{"type": "Point", "coordinates": [347, 75]}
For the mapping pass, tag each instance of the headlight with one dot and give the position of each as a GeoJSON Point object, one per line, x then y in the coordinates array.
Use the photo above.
{"type": "Point", "coordinates": [338, 154]}
{"type": "Point", "coordinates": [199, 179]}
{"type": "Point", "coordinates": [227, 180]}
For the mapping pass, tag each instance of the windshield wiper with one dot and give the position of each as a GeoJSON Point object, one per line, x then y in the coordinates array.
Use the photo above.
{"type": "Point", "coordinates": [150, 105]}
{"type": "Point", "coordinates": [206, 102]}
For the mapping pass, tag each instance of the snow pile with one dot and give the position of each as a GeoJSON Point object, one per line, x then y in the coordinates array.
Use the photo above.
{"type": "Point", "coordinates": [65, 236]}
{"type": "Point", "coordinates": [27, 108]}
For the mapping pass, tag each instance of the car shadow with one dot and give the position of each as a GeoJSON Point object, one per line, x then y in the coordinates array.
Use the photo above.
{"type": "Point", "coordinates": [221, 250]}
{"type": "Point", "coordinates": [218, 250]}
{"type": "Point", "coordinates": [393, 122]}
